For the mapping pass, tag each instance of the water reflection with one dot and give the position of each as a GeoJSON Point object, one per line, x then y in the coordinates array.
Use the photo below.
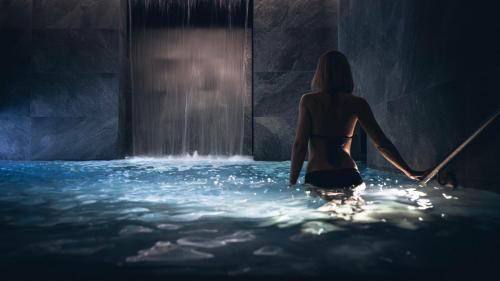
{"type": "Point", "coordinates": [190, 209]}
{"type": "Point", "coordinates": [401, 207]}
{"type": "Point", "coordinates": [175, 191]}
{"type": "Point", "coordinates": [236, 216]}
{"type": "Point", "coordinates": [340, 203]}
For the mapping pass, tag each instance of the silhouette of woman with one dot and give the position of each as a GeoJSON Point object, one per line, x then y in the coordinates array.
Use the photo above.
{"type": "Point", "coordinates": [326, 123]}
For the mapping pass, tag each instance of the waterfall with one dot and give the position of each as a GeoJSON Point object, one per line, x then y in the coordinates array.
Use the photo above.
{"type": "Point", "coordinates": [191, 77]}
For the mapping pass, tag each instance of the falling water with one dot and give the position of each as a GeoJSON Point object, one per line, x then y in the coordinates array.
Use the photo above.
{"type": "Point", "coordinates": [191, 77]}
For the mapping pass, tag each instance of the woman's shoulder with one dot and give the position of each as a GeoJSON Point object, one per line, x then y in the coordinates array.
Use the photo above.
{"type": "Point", "coordinates": [359, 104]}
{"type": "Point", "coordinates": [320, 97]}
{"type": "Point", "coordinates": [357, 100]}
{"type": "Point", "coordinates": [312, 94]}
{"type": "Point", "coordinates": [309, 96]}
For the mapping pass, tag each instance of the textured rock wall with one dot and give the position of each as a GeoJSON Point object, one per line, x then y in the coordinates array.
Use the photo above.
{"type": "Point", "coordinates": [428, 68]}
{"type": "Point", "coordinates": [289, 37]}
{"type": "Point", "coordinates": [60, 80]}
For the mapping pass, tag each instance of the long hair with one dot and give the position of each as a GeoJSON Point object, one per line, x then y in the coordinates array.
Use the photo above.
{"type": "Point", "coordinates": [333, 74]}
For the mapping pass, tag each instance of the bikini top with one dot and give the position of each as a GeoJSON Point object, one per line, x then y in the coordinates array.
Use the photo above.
{"type": "Point", "coordinates": [338, 141]}
{"type": "Point", "coordinates": [334, 141]}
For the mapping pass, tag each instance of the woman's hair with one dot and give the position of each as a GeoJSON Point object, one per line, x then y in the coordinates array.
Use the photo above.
{"type": "Point", "coordinates": [333, 74]}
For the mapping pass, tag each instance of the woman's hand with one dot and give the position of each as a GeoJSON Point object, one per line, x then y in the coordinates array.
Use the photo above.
{"type": "Point", "coordinates": [418, 175]}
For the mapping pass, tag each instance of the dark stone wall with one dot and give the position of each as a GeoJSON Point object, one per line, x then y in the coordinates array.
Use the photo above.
{"type": "Point", "coordinates": [289, 37]}
{"type": "Point", "coordinates": [429, 69]}
{"type": "Point", "coordinates": [60, 79]}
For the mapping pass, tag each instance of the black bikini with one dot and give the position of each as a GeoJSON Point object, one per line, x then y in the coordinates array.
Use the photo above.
{"type": "Point", "coordinates": [335, 179]}
{"type": "Point", "coordinates": [338, 178]}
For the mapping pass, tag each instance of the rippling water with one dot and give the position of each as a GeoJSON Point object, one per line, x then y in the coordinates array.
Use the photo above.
{"type": "Point", "coordinates": [234, 217]}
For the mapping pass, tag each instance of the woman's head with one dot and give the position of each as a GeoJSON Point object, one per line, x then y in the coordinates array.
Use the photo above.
{"type": "Point", "coordinates": [333, 74]}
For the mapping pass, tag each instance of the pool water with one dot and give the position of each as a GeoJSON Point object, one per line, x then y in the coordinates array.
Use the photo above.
{"type": "Point", "coordinates": [232, 218]}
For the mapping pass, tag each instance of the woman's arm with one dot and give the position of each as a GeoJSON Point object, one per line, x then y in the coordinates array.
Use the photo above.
{"type": "Point", "coordinates": [382, 143]}
{"type": "Point", "coordinates": [299, 147]}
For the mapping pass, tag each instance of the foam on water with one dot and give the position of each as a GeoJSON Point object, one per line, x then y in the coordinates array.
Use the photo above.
{"type": "Point", "coordinates": [165, 251]}
{"type": "Point", "coordinates": [268, 251]}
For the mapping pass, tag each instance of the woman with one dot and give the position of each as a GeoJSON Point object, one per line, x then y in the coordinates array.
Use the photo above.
{"type": "Point", "coordinates": [327, 118]}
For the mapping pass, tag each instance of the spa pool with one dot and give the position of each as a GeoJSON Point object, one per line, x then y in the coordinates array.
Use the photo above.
{"type": "Point", "coordinates": [146, 219]}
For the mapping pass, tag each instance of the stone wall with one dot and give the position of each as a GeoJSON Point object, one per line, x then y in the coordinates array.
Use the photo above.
{"type": "Point", "coordinates": [60, 79]}
{"type": "Point", "coordinates": [429, 69]}
{"type": "Point", "coordinates": [289, 37]}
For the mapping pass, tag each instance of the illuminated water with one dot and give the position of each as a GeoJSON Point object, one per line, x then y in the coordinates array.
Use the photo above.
{"type": "Point", "coordinates": [147, 217]}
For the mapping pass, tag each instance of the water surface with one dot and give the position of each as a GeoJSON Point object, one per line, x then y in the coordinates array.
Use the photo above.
{"type": "Point", "coordinates": [236, 217]}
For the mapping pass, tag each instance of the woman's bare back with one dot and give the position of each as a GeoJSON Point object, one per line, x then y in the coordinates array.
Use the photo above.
{"type": "Point", "coordinates": [331, 130]}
